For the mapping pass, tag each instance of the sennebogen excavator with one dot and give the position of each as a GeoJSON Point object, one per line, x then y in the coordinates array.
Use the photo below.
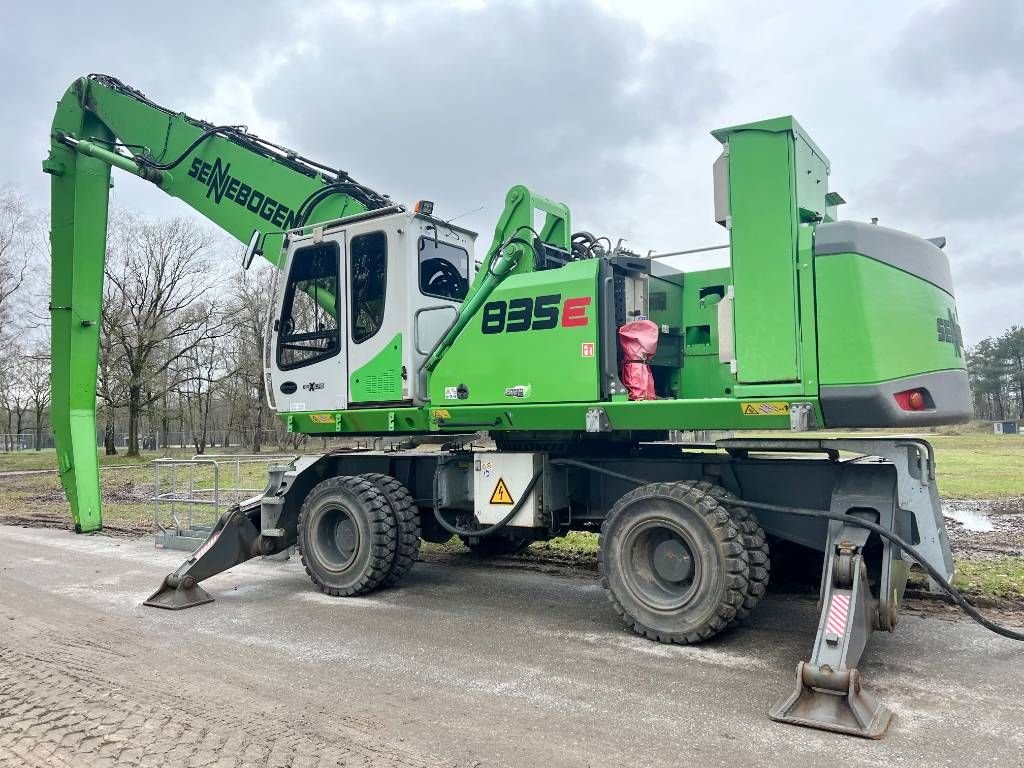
{"type": "Point", "coordinates": [577, 357]}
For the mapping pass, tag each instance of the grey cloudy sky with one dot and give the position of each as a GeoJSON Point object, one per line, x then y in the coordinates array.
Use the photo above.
{"type": "Point", "coordinates": [603, 104]}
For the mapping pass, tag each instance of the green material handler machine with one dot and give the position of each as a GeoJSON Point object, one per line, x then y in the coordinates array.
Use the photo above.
{"type": "Point", "coordinates": [384, 324]}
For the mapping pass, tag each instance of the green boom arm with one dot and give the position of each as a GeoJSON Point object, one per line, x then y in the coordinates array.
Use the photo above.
{"type": "Point", "coordinates": [238, 181]}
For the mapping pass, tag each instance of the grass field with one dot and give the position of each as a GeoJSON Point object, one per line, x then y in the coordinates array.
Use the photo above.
{"type": "Point", "coordinates": [971, 465]}
{"type": "Point", "coordinates": [47, 459]}
{"type": "Point", "coordinates": [128, 484]}
{"type": "Point", "coordinates": [1001, 577]}
{"type": "Point", "coordinates": [979, 466]}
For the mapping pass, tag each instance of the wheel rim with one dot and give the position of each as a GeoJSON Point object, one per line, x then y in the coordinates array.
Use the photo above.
{"type": "Point", "coordinates": [661, 570]}
{"type": "Point", "coordinates": [337, 538]}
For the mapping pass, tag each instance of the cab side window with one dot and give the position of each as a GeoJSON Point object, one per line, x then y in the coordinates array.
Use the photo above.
{"type": "Point", "coordinates": [368, 278]}
{"type": "Point", "coordinates": [444, 269]}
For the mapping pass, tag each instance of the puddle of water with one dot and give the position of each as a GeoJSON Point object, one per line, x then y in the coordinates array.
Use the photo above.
{"type": "Point", "coordinates": [971, 519]}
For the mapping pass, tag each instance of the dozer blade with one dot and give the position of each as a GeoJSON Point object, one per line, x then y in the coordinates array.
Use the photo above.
{"type": "Point", "coordinates": [235, 539]}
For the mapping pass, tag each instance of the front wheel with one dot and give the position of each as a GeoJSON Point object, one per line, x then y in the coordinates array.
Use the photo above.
{"type": "Point", "coordinates": [673, 562]}
{"type": "Point", "coordinates": [346, 536]}
{"type": "Point", "coordinates": [407, 525]}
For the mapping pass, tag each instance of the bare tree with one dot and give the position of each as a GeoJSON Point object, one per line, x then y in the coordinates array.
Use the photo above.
{"type": "Point", "coordinates": [36, 380]}
{"type": "Point", "coordinates": [8, 385]}
{"type": "Point", "coordinates": [251, 303]}
{"type": "Point", "coordinates": [14, 392]}
{"type": "Point", "coordinates": [158, 305]}
{"type": "Point", "coordinates": [202, 369]}
{"type": "Point", "coordinates": [16, 231]}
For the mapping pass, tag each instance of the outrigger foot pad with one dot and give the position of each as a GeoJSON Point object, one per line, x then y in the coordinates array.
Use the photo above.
{"type": "Point", "coordinates": [178, 592]}
{"type": "Point", "coordinates": [235, 539]}
{"type": "Point", "coordinates": [832, 701]}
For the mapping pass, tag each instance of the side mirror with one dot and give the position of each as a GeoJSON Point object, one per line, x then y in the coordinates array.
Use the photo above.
{"type": "Point", "coordinates": [252, 249]}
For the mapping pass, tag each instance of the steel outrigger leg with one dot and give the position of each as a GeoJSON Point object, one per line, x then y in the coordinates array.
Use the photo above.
{"type": "Point", "coordinates": [235, 539]}
{"type": "Point", "coordinates": [829, 693]}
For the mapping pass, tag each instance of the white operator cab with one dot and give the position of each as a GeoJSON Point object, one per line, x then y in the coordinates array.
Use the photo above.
{"type": "Point", "coordinates": [359, 305]}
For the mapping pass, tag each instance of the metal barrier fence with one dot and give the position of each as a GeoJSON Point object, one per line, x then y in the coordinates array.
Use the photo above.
{"type": "Point", "coordinates": [24, 441]}
{"type": "Point", "coordinates": [199, 490]}
{"type": "Point", "coordinates": [147, 441]}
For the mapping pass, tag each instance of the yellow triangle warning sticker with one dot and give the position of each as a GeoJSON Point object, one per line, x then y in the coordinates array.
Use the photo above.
{"type": "Point", "coordinates": [501, 494]}
{"type": "Point", "coordinates": [764, 409]}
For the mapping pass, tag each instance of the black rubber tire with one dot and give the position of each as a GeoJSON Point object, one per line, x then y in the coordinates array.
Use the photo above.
{"type": "Point", "coordinates": [407, 525]}
{"type": "Point", "coordinates": [371, 522]}
{"type": "Point", "coordinates": [754, 541]}
{"type": "Point", "coordinates": [714, 542]}
{"type": "Point", "coordinates": [495, 546]}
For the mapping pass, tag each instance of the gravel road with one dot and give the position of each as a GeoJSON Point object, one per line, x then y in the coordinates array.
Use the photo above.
{"type": "Point", "coordinates": [464, 665]}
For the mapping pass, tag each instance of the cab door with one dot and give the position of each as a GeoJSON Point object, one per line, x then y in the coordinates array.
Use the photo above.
{"type": "Point", "coordinates": [378, 313]}
{"type": "Point", "coordinates": [308, 363]}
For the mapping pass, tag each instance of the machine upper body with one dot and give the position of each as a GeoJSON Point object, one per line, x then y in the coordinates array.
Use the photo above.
{"type": "Point", "coordinates": [384, 322]}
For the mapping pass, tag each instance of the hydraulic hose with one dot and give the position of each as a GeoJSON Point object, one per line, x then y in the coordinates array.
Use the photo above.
{"type": "Point", "coordinates": [939, 579]}
{"type": "Point", "coordinates": [491, 528]}
{"type": "Point", "coordinates": [222, 130]}
{"type": "Point", "coordinates": [476, 298]}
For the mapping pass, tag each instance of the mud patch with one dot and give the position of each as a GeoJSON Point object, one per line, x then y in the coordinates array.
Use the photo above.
{"type": "Point", "coordinates": [64, 523]}
{"type": "Point", "coordinates": [923, 604]}
{"type": "Point", "coordinates": [980, 528]}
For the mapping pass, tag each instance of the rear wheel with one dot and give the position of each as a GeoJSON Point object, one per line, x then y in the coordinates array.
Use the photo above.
{"type": "Point", "coordinates": [346, 536]}
{"type": "Point", "coordinates": [673, 562]}
{"type": "Point", "coordinates": [495, 546]}
{"type": "Point", "coordinates": [407, 525]}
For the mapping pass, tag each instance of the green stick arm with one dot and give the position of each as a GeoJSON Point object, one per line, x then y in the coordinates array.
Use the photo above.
{"type": "Point", "coordinates": [236, 180]}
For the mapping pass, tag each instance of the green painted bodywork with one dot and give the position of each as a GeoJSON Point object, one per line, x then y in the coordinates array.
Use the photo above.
{"type": "Point", "coordinates": [869, 322]}
{"type": "Point", "coordinates": [717, 413]}
{"type": "Point", "coordinates": [702, 374]}
{"type": "Point", "coordinates": [542, 366]}
{"type": "Point", "coordinates": [79, 198]}
{"type": "Point", "coordinates": [778, 178]}
{"type": "Point", "coordinates": [856, 319]}
{"type": "Point", "coordinates": [380, 380]}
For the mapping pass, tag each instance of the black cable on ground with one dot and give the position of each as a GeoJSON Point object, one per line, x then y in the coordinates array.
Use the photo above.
{"type": "Point", "coordinates": [939, 579]}
{"type": "Point", "coordinates": [491, 528]}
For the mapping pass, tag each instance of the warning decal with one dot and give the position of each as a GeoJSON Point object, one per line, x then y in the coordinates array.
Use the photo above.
{"type": "Point", "coordinates": [764, 409]}
{"type": "Point", "coordinates": [501, 494]}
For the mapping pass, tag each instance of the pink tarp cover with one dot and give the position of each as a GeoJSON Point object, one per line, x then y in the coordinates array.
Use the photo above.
{"type": "Point", "coordinates": [638, 342]}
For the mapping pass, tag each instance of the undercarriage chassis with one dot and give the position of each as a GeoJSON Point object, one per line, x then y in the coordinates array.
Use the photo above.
{"type": "Point", "coordinates": [680, 525]}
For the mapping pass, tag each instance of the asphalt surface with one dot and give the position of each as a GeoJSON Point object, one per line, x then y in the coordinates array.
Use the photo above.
{"type": "Point", "coordinates": [463, 665]}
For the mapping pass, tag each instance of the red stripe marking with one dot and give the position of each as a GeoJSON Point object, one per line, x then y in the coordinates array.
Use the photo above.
{"type": "Point", "coordinates": [206, 546]}
{"type": "Point", "coordinates": [838, 611]}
